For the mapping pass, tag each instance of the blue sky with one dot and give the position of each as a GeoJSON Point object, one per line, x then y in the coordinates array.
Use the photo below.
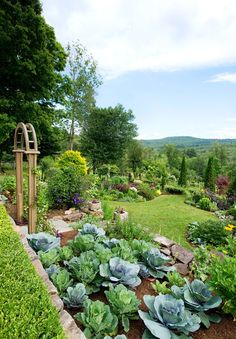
{"type": "Point", "coordinates": [173, 62]}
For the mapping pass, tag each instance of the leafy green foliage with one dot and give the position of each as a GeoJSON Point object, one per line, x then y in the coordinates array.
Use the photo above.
{"type": "Point", "coordinates": [43, 241]}
{"type": "Point", "coordinates": [75, 296]}
{"type": "Point", "coordinates": [72, 159]}
{"type": "Point", "coordinates": [65, 253]}
{"type": "Point", "coordinates": [210, 175]}
{"type": "Point", "coordinates": [120, 271]}
{"type": "Point", "coordinates": [64, 184]}
{"type": "Point", "coordinates": [166, 314]}
{"type": "Point", "coordinates": [207, 232]}
{"type": "Point", "coordinates": [175, 278]}
{"type": "Point", "coordinates": [127, 230]}
{"type": "Point", "coordinates": [206, 204]}
{"type": "Point", "coordinates": [85, 269]}
{"type": "Point", "coordinates": [102, 253]}
{"type": "Point", "coordinates": [23, 294]}
{"type": "Point", "coordinates": [61, 280]}
{"type": "Point", "coordinates": [174, 189]}
{"type": "Point", "coordinates": [160, 287]}
{"type": "Point", "coordinates": [183, 173]}
{"type": "Point", "coordinates": [223, 282]}
{"type": "Point", "coordinates": [154, 262]}
{"type": "Point", "coordinates": [93, 230]}
{"type": "Point", "coordinates": [106, 134]}
{"type": "Point", "coordinates": [198, 298]}
{"type": "Point", "coordinates": [83, 242]}
{"type": "Point", "coordinates": [31, 60]}
{"type": "Point", "coordinates": [201, 263]}
{"type": "Point", "coordinates": [124, 251]}
{"type": "Point", "coordinates": [49, 258]}
{"type": "Point", "coordinates": [124, 304]}
{"type": "Point", "coordinates": [97, 320]}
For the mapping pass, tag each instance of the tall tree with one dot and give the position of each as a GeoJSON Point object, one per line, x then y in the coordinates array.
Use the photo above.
{"type": "Point", "coordinates": [210, 175]}
{"type": "Point", "coordinates": [31, 62]}
{"type": "Point", "coordinates": [183, 173]}
{"type": "Point", "coordinates": [106, 134]}
{"type": "Point", "coordinates": [135, 155]}
{"type": "Point", "coordinates": [79, 85]}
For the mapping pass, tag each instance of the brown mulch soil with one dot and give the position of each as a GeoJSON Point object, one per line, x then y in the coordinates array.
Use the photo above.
{"type": "Point", "coordinates": [226, 329]}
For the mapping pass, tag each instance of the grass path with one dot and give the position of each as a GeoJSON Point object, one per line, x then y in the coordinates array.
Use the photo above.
{"type": "Point", "coordinates": [167, 215]}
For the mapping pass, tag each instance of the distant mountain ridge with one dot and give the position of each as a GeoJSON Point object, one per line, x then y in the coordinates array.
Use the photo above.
{"type": "Point", "coordinates": [186, 141]}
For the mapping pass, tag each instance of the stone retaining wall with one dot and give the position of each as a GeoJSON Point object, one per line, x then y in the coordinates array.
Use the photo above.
{"type": "Point", "coordinates": [69, 326]}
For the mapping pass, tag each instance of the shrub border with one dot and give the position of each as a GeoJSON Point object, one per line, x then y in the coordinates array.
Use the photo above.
{"type": "Point", "coordinates": [68, 324]}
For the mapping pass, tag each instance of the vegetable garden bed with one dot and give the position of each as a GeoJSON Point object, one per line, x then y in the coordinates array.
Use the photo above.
{"type": "Point", "coordinates": [94, 260]}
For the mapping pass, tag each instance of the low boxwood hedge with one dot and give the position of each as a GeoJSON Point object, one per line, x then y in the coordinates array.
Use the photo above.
{"type": "Point", "coordinates": [26, 310]}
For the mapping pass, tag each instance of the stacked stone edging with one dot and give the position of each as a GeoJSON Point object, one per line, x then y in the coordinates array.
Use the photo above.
{"type": "Point", "coordinates": [182, 256]}
{"type": "Point", "coordinates": [70, 328]}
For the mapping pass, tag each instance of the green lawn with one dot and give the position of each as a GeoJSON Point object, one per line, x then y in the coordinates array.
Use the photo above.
{"type": "Point", "coordinates": [167, 215]}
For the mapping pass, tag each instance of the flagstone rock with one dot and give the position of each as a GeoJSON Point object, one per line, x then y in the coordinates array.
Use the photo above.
{"type": "Point", "coordinates": [181, 254]}
{"type": "Point", "coordinates": [163, 241]}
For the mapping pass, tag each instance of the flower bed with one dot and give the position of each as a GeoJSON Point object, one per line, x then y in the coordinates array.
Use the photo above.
{"type": "Point", "coordinates": [103, 281]}
{"type": "Point", "coordinates": [26, 308]}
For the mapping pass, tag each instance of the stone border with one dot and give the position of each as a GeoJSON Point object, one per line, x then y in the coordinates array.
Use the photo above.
{"type": "Point", "coordinates": [70, 328]}
{"type": "Point", "coordinates": [182, 256]}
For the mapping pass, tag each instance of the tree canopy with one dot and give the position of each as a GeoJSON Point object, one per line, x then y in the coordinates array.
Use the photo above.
{"type": "Point", "coordinates": [106, 134]}
{"type": "Point", "coordinates": [31, 62]}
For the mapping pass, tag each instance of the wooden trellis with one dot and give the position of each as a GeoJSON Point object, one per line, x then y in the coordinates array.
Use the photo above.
{"type": "Point", "coordinates": [25, 142]}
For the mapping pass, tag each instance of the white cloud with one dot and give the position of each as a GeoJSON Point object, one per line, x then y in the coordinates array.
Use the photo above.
{"type": "Point", "coordinates": [224, 133]}
{"type": "Point", "coordinates": [224, 77]}
{"type": "Point", "coordinates": [151, 35]}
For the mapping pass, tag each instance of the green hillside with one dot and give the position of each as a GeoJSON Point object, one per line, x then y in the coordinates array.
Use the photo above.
{"type": "Point", "coordinates": [186, 141]}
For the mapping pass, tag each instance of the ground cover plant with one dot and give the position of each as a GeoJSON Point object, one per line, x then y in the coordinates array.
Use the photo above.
{"type": "Point", "coordinates": [116, 280]}
{"type": "Point", "coordinates": [23, 295]}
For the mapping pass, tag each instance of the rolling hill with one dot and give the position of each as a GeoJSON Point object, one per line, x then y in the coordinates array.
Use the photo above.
{"type": "Point", "coordinates": [186, 141]}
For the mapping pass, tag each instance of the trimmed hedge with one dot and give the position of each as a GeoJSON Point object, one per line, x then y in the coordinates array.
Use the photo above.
{"type": "Point", "coordinates": [26, 310]}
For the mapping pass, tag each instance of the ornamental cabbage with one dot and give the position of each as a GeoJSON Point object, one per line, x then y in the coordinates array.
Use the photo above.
{"type": "Point", "coordinates": [65, 253]}
{"type": "Point", "coordinates": [93, 230]}
{"type": "Point", "coordinates": [124, 304]}
{"type": "Point", "coordinates": [198, 298]}
{"type": "Point", "coordinates": [124, 251]}
{"type": "Point", "coordinates": [75, 296]}
{"type": "Point", "coordinates": [167, 314]}
{"type": "Point", "coordinates": [43, 241]}
{"type": "Point", "coordinates": [120, 271]}
{"type": "Point", "coordinates": [153, 263]}
{"type": "Point", "coordinates": [97, 320]}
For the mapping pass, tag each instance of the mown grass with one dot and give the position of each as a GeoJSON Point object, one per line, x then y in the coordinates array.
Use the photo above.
{"type": "Point", "coordinates": [167, 215]}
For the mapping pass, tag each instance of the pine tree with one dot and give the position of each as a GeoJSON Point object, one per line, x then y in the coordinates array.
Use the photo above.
{"type": "Point", "coordinates": [210, 176]}
{"type": "Point", "coordinates": [183, 173]}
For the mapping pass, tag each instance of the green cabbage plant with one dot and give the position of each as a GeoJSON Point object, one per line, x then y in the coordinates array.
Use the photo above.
{"type": "Point", "coordinates": [61, 280]}
{"type": "Point", "coordinates": [103, 254]}
{"type": "Point", "coordinates": [120, 271]}
{"type": "Point", "coordinates": [167, 317]}
{"type": "Point", "coordinates": [153, 263]}
{"type": "Point", "coordinates": [97, 319]}
{"type": "Point", "coordinates": [124, 304]}
{"type": "Point", "coordinates": [75, 296]}
{"type": "Point", "coordinates": [124, 251]}
{"type": "Point", "coordinates": [49, 258]}
{"type": "Point", "coordinates": [85, 269]}
{"type": "Point", "coordinates": [83, 243]}
{"type": "Point", "coordinates": [65, 252]}
{"type": "Point", "coordinates": [198, 298]}
{"type": "Point", "coordinates": [139, 247]}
